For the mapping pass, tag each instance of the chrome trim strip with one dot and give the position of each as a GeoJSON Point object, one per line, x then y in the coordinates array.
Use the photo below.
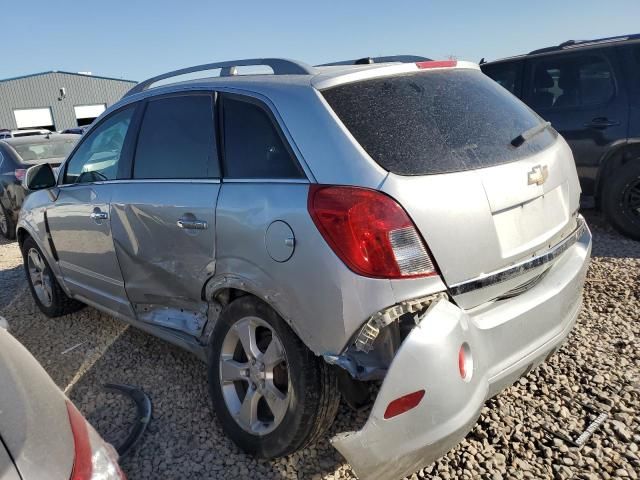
{"type": "Point", "coordinates": [83, 271]}
{"type": "Point", "coordinates": [519, 268]}
{"type": "Point", "coordinates": [266, 180]}
{"type": "Point", "coordinates": [143, 180]}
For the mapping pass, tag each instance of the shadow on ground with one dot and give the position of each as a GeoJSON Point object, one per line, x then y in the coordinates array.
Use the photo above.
{"type": "Point", "coordinates": [606, 241]}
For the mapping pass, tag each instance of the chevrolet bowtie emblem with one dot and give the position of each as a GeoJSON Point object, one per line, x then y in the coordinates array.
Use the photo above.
{"type": "Point", "coordinates": [538, 175]}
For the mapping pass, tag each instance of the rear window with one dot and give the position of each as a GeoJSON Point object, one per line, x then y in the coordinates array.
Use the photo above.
{"type": "Point", "coordinates": [30, 152]}
{"type": "Point", "coordinates": [436, 122]}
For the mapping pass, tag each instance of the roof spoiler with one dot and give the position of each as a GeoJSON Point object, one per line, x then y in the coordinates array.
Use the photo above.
{"type": "Point", "coordinates": [280, 66]}
{"type": "Point", "coordinates": [387, 59]}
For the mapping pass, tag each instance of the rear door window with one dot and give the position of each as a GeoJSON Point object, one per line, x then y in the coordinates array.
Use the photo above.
{"type": "Point", "coordinates": [506, 74]}
{"type": "Point", "coordinates": [436, 122]}
{"type": "Point", "coordinates": [563, 81]}
{"type": "Point", "coordinates": [253, 145]}
{"type": "Point", "coordinates": [177, 139]}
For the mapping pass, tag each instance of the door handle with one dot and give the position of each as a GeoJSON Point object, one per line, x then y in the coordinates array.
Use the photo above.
{"type": "Point", "coordinates": [601, 122]}
{"type": "Point", "coordinates": [192, 224]}
{"type": "Point", "coordinates": [99, 215]}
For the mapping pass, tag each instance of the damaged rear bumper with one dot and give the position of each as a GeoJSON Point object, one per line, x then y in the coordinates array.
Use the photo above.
{"type": "Point", "coordinates": [505, 340]}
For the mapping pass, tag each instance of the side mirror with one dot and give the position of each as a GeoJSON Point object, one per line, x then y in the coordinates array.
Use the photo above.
{"type": "Point", "coordinates": [39, 177]}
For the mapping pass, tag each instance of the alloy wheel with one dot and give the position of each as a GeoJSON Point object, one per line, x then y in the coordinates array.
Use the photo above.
{"type": "Point", "coordinates": [254, 376]}
{"type": "Point", "coordinates": [40, 278]}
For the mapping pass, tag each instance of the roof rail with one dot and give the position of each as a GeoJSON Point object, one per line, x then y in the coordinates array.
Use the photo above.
{"type": "Point", "coordinates": [280, 66]}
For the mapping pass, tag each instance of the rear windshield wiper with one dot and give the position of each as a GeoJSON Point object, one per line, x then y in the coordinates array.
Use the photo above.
{"type": "Point", "coordinates": [527, 134]}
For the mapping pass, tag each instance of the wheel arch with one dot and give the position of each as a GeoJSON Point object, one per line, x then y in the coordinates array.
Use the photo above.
{"type": "Point", "coordinates": [221, 290]}
{"type": "Point", "coordinates": [22, 234]}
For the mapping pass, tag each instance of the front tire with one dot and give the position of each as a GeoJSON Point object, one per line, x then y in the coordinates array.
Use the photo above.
{"type": "Point", "coordinates": [621, 199]}
{"type": "Point", "coordinates": [271, 394]}
{"type": "Point", "coordinates": [45, 289]}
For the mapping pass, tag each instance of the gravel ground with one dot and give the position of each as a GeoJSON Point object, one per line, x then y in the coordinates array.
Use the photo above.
{"type": "Point", "coordinates": [599, 365]}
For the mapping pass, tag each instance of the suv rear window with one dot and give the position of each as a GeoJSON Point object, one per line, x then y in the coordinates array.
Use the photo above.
{"type": "Point", "coordinates": [436, 122]}
{"type": "Point", "coordinates": [253, 147]}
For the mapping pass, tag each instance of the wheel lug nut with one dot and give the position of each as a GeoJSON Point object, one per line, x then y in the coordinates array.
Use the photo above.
{"type": "Point", "coordinates": [262, 367]}
{"type": "Point", "coordinates": [262, 384]}
{"type": "Point", "coordinates": [253, 386]}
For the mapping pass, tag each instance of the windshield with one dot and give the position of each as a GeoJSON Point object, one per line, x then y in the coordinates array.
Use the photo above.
{"type": "Point", "coordinates": [42, 151]}
{"type": "Point", "coordinates": [436, 122]}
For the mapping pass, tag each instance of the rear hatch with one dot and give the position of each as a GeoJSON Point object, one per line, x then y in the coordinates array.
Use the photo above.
{"type": "Point", "coordinates": [481, 204]}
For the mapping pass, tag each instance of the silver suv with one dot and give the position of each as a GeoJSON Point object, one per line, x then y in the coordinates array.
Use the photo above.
{"type": "Point", "coordinates": [311, 229]}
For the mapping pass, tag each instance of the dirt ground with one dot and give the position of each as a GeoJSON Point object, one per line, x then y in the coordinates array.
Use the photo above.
{"type": "Point", "coordinates": [599, 365]}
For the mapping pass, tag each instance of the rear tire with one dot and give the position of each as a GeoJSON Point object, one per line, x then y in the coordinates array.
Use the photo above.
{"type": "Point", "coordinates": [298, 398]}
{"type": "Point", "coordinates": [45, 289]}
{"type": "Point", "coordinates": [621, 199]}
{"type": "Point", "coordinates": [7, 227]}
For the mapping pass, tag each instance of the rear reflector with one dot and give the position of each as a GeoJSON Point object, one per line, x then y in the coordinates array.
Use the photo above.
{"type": "Point", "coordinates": [403, 404]}
{"type": "Point", "coordinates": [461, 367]}
{"type": "Point", "coordinates": [20, 173]}
{"type": "Point", "coordinates": [369, 231]}
{"type": "Point", "coordinates": [465, 362]}
{"type": "Point", "coordinates": [437, 64]}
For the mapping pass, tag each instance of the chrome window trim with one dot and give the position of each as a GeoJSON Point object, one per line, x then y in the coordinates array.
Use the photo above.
{"type": "Point", "coordinates": [141, 180]}
{"type": "Point", "coordinates": [266, 180]}
{"type": "Point", "coordinates": [518, 269]}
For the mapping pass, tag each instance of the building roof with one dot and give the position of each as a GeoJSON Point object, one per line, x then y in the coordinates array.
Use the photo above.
{"type": "Point", "coordinates": [66, 73]}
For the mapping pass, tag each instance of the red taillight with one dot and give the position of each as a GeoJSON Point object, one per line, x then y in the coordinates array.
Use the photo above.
{"type": "Point", "coordinates": [20, 173]}
{"type": "Point", "coordinates": [403, 404]}
{"type": "Point", "coordinates": [437, 64]}
{"type": "Point", "coordinates": [82, 465]}
{"type": "Point", "coordinates": [369, 231]}
{"type": "Point", "coordinates": [94, 459]}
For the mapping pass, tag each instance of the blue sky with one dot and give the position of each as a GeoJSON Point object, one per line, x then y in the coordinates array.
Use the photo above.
{"type": "Point", "coordinates": [137, 39]}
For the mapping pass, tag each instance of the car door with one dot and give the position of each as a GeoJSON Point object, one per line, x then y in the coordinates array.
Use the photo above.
{"type": "Point", "coordinates": [163, 218]}
{"type": "Point", "coordinates": [581, 97]}
{"type": "Point", "coordinates": [79, 218]}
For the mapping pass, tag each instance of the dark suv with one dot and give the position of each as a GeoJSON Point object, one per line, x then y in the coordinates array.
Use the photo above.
{"type": "Point", "coordinates": [590, 92]}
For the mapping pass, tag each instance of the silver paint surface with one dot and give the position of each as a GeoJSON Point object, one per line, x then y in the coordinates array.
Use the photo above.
{"type": "Point", "coordinates": [34, 424]}
{"type": "Point", "coordinates": [140, 266]}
